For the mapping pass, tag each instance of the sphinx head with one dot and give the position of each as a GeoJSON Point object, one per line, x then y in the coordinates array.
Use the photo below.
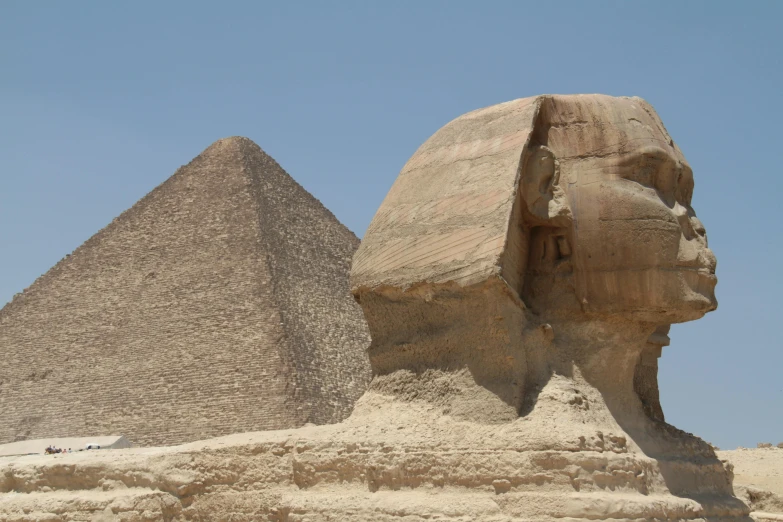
{"type": "Point", "coordinates": [606, 203]}
{"type": "Point", "coordinates": [581, 204]}
{"type": "Point", "coordinates": [564, 214]}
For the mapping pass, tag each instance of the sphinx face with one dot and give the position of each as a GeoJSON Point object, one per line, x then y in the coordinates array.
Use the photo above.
{"type": "Point", "coordinates": [637, 247]}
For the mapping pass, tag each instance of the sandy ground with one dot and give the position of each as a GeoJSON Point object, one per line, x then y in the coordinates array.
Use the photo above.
{"type": "Point", "coordinates": [758, 478]}
{"type": "Point", "coordinates": [761, 468]}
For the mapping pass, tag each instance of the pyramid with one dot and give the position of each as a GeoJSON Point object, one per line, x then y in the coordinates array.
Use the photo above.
{"type": "Point", "coordinates": [218, 303]}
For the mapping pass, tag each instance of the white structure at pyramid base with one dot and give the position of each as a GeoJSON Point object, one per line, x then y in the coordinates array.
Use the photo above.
{"type": "Point", "coordinates": [30, 447]}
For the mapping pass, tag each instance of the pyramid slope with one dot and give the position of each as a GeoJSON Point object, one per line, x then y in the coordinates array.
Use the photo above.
{"type": "Point", "coordinates": [311, 288]}
{"type": "Point", "coordinates": [218, 303]}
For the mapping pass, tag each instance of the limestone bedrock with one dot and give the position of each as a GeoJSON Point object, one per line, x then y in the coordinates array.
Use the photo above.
{"type": "Point", "coordinates": [518, 282]}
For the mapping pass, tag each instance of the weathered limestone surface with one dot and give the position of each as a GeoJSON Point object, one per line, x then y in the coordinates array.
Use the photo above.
{"type": "Point", "coordinates": [518, 282]}
{"type": "Point", "coordinates": [219, 303]}
{"type": "Point", "coordinates": [392, 462]}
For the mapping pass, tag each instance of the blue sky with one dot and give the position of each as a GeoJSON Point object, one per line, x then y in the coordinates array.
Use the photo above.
{"type": "Point", "coordinates": [102, 101]}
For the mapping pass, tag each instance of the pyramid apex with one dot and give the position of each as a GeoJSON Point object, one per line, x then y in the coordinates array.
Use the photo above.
{"type": "Point", "coordinates": [232, 142]}
{"type": "Point", "coordinates": [227, 150]}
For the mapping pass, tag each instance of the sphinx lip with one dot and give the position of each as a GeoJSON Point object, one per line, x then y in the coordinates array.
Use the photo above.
{"type": "Point", "coordinates": [707, 276]}
{"type": "Point", "coordinates": [703, 273]}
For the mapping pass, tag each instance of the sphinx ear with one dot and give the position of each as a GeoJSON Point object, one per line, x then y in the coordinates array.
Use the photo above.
{"type": "Point", "coordinates": [545, 201]}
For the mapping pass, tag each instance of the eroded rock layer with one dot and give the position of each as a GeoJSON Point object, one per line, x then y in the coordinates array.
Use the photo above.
{"type": "Point", "coordinates": [389, 461]}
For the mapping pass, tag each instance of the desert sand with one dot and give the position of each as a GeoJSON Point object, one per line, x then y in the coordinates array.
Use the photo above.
{"type": "Point", "coordinates": [758, 477]}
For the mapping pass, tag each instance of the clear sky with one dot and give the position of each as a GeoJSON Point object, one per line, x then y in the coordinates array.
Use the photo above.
{"type": "Point", "coordinates": [102, 101]}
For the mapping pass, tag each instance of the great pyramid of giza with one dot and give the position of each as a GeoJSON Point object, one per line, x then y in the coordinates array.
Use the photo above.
{"type": "Point", "coordinates": [218, 303]}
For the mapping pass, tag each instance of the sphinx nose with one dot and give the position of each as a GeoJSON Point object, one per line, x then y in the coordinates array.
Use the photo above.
{"type": "Point", "coordinates": [686, 222]}
{"type": "Point", "coordinates": [698, 227]}
{"type": "Point", "coordinates": [708, 260]}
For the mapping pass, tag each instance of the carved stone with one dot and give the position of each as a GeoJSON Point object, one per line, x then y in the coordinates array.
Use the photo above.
{"type": "Point", "coordinates": [518, 281]}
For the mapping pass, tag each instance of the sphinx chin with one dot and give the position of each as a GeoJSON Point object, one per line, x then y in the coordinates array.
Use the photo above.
{"type": "Point", "coordinates": [690, 307]}
{"type": "Point", "coordinates": [697, 296]}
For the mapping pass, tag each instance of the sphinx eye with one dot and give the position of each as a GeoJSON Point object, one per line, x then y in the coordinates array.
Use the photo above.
{"type": "Point", "coordinates": [645, 175]}
{"type": "Point", "coordinates": [646, 170]}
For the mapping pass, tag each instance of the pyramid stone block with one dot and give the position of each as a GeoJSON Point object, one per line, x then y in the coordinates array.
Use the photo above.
{"type": "Point", "coordinates": [218, 303]}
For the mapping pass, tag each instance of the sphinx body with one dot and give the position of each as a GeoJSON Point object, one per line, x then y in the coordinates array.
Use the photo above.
{"type": "Point", "coordinates": [517, 280]}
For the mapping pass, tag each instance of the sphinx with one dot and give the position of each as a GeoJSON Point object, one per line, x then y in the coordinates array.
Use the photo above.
{"type": "Point", "coordinates": [518, 281]}
{"type": "Point", "coordinates": [523, 272]}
